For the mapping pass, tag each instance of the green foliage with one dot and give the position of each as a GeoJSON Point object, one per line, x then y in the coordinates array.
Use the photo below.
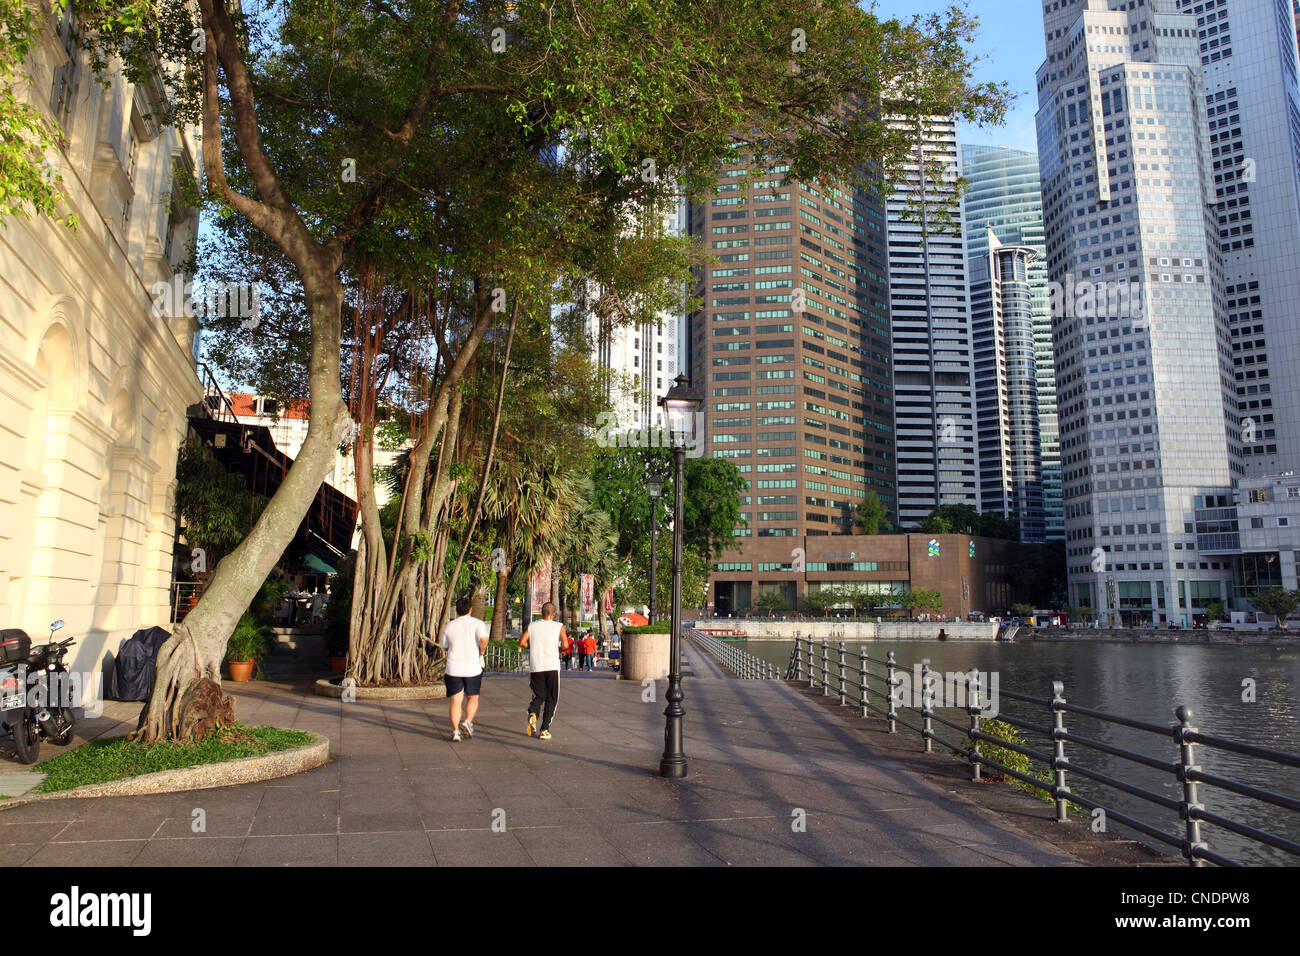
{"type": "Point", "coordinates": [771, 601]}
{"type": "Point", "coordinates": [1013, 760]}
{"type": "Point", "coordinates": [250, 640]}
{"type": "Point", "coordinates": [919, 599]}
{"type": "Point", "coordinates": [1216, 611]}
{"type": "Point", "coordinates": [658, 627]}
{"type": "Point", "coordinates": [100, 761]}
{"type": "Point", "coordinates": [695, 574]}
{"type": "Point", "coordinates": [1279, 602]}
{"type": "Point", "coordinates": [29, 178]}
{"type": "Point", "coordinates": [217, 508]}
{"type": "Point", "coordinates": [870, 514]}
{"type": "Point", "coordinates": [1022, 610]}
{"type": "Point", "coordinates": [710, 506]}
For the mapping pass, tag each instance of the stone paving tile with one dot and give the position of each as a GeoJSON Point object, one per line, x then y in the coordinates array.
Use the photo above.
{"type": "Point", "coordinates": [397, 792]}
{"type": "Point", "coordinates": [320, 850]}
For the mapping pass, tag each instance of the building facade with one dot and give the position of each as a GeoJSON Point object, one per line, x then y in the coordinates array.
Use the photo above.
{"type": "Point", "coordinates": [971, 574]}
{"type": "Point", "coordinates": [1006, 385]}
{"type": "Point", "coordinates": [639, 360]}
{"type": "Point", "coordinates": [1148, 412]}
{"type": "Point", "coordinates": [1252, 100]}
{"type": "Point", "coordinates": [1003, 194]}
{"type": "Point", "coordinates": [94, 378]}
{"type": "Point", "coordinates": [790, 349]}
{"type": "Point", "coordinates": [932, 343]}
{"type": "Point", "coordinates": [1255, 528]}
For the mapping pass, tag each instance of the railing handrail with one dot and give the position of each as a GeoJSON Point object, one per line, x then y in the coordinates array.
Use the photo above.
{"type": "Point", "coordinates": [740, 662]}
{"type": "Point", "coordinates": [807, 663]}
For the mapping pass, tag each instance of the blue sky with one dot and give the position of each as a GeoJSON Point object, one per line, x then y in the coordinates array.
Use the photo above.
{"type": "Point", "coordinates": [1011, 41]}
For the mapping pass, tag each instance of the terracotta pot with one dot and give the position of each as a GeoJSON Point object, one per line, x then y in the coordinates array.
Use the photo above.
{"type": "Point", "coordinates": [240, 671]}
{"type": "Point", "coordinates": [338, 664]}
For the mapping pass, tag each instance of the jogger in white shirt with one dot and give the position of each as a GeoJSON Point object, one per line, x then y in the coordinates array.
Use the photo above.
{"type": "Point", "coordinates": [544, 640]}
{"type": "Point", "coordinates": [465, 639]}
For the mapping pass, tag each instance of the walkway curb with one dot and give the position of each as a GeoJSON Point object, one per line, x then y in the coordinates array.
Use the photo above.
{"type": "Point", "coordinates": [280, 763]}
{"type": "Point", "coordinates": [327, 688]}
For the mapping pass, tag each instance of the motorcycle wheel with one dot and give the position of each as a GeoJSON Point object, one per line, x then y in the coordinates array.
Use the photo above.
{"type": "Point", "coordinates": [65, 715]}
{"type": "Point", "coordinates": [27, 738]}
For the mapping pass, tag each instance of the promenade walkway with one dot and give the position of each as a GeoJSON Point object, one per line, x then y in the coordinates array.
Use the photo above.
{"type": "Point", "coordinates": [764, 757]}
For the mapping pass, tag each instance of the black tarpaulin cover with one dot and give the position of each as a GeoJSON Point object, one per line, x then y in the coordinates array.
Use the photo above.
{"type": "Point", "coordinates": [134, 669]}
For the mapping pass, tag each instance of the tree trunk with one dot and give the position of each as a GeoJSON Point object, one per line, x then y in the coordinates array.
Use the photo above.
{"type": "Point", "coordinates": [526, 616]}
{"type": "Point", "coordinates": [500, 608]}
{"type": "Point", "coordinates": [197, 646]}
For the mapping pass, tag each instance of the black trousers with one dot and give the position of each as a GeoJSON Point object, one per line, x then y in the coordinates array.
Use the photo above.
{"type": "Point", "coordinates": [546, 695]}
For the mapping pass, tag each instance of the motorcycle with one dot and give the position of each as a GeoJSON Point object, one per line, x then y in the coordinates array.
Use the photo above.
{"type": "Point", "coordinates": [35, 708]}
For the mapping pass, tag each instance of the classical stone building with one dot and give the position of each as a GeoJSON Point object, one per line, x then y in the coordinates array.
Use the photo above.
{"type": "Point", "coordinates": [93, 383]}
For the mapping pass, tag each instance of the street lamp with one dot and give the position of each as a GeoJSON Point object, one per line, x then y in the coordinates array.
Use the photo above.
{"type": "Point", "coordinates": [655, 486]}
{"type": "Point", "coordinates": [680, 406]}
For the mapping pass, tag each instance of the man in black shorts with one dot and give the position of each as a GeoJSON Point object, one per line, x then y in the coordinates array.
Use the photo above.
{"type": "Point", "coordinates": [465, 639]}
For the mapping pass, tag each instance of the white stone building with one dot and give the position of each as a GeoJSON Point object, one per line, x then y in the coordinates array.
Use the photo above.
{"type": "Point", "coordinates": [93, 384]}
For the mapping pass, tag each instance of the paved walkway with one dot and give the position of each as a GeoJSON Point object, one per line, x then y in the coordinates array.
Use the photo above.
{"type": "Point", "coordinates": [763, 758]}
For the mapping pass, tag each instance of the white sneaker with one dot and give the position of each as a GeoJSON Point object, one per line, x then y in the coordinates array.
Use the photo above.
{"type": "Point", "coordinates": [468, 728]}
{"type": "Point", "coordinates": [455, 737]}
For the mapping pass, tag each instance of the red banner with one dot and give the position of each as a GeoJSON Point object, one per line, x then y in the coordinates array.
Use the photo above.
{"type": "Point", "coordinates": [541, 581]}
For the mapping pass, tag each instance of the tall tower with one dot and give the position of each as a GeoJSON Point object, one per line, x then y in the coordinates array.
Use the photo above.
{"type": "Point", "coordinates": [791, 348]}
{"type": "Point", "coordinates": [1252, 100]}
{"type": "Point", "coordinates": [1148, 417]}
{"type": "Point", "coordinates": [929, 309]}
{"type": "Point", "coordinates": [1002, 317]}
{"type": "Point", "coordinates": [1003, 194]}
{"type": "Point", "coordinates": [640, 359]}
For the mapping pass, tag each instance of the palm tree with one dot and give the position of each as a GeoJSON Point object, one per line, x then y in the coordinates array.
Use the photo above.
{"type": "Point", "coordinates": [528, 498]}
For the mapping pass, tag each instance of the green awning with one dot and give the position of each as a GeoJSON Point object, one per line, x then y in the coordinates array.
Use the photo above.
{"type": "Point", "coordinates": [314, 563]}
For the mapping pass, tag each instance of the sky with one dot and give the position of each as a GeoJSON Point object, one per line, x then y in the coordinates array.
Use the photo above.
{"type": "Point", "coordinates": [1010, 41]}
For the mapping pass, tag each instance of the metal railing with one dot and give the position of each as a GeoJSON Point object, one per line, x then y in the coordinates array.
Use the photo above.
{"type": "Point", "coordinates": [504, 660]}
{"type": "Point", "coordinates": [741, 663]}
{"type": "Point", "coordinates": [850, 677]}
{"type": "Point", "coordinates": [185, 595]}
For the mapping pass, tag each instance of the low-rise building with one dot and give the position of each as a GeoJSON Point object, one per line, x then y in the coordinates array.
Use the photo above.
{"type": "Point", "coordinates": [972, 574]}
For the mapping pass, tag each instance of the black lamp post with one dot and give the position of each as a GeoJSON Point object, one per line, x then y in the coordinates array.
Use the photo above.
{"type": "Point", "coordinates": [679, 405]}
{"type": "Point", "coordinates": [655, 486]}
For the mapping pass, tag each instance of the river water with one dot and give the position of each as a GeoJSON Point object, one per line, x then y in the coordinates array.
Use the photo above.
{"type": "Point", "coordinates": [1142, 682]}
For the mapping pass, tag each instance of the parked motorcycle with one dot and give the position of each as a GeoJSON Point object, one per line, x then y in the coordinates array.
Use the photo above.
{"type": "Point", "coordinates": [35, 708]}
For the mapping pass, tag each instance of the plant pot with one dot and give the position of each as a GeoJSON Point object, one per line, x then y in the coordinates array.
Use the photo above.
{"type": "Point", "coordinates": [338, 663]}
{"type": "Point", "coordinates": [240, 671]}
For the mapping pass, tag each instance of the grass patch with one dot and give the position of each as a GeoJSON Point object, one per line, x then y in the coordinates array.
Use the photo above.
{"type": "Point", "coordinates": [100, 761]}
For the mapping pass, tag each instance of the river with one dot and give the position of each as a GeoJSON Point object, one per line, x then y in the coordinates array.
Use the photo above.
{"type": "Point", "coordinates": [1143, 682]}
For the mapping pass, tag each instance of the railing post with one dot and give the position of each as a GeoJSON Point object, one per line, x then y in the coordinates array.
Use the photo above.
{"type": "Point", "coordinates": [1059, 762]}
{"type": "Point", "coordinates": [825, 673]}
{"type": "Point", "coordinates": [973, 708]}
{"type": "Point", "coordinates": [891, 680]}
{"type": "Point", "coordinates": [926, 705]}
{"type": "Point", "coordinates": [843, 698]}
{"type": "Point", "coordinates": [1187, 762]}
{"type": "Point", "coordinates": [798, 658]}
{"type": "Point", "coordinates": [862, 677]}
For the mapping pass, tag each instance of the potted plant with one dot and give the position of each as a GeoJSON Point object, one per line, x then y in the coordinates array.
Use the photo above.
{"type": "Point", "coordinates": [248, 644]}
{"type": "Point", "coordinates": [338, 652]}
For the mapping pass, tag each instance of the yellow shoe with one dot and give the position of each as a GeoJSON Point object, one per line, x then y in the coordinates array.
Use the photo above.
{"type": "Point", "coordinates": [531, 729]}
{"type": "Point", "coordinates": [544, 735]}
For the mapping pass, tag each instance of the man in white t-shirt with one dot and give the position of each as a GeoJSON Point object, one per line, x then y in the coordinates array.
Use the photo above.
{"type": "Point", "coordinates": [465, 639]}
{"type": "Point", "coordinates": [544, 640]}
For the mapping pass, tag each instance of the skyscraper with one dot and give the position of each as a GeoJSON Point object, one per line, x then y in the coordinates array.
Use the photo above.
{"type": "Point", "coordinates": [1006, 386]}
{"type": "Point", "coordinates": [639, 360]}
{"type": "Point", "coordinates": [1003, 194]}
{"type": "Point", "coordinates": [1248, 58]}
{"type": "Point", "coordinates": [929, 308]}
{"type": "Point", "coordinates": [791, 348]}
{"type": "Point", "coordinates": [1148, 415]}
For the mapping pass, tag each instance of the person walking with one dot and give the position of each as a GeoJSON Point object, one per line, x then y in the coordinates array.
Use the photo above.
{"type": "Point", "coordinates": [465, 640]}
{"type": "Point", "coordinates": [544, 641]}
{"type": "Point", "coordinates": [589, 651]}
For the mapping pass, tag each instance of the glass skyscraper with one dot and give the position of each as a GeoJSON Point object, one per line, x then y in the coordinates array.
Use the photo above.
{"type": "Point", "coordinates": [1003, 194]}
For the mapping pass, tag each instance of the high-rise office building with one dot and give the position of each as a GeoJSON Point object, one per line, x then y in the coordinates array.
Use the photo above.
{"type": "Point", "coordinates": [929, 309]}
{"type": "Point", "coordinates": [1148, 414]}
{"type": "Point", "coordinates": [1006, 385]}
{"type": "Point", "coordinates": [639, 360]}
{"type": "Point", "coordinates": [1248, 58]}
{"type": "Point", "coordinates": [1003, 194]}
{"type": "Point", "coordinates": [791, 348]}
